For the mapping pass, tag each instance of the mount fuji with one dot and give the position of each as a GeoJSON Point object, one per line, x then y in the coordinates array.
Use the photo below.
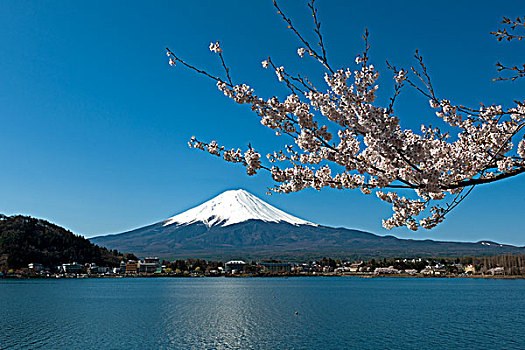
{"type": "Point", "coordinates": [238, 224]}
{"type": "Point", "coordinates": [233, 207]}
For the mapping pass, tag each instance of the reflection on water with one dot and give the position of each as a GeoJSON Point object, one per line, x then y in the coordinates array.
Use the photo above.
{"type": "Point", "coordinates": [256, 313]}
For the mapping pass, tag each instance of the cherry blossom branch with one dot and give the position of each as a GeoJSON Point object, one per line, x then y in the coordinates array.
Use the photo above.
{"type": "Point", "coordinates": [317, 28]}
{"type": "Point", "coordinates": [369, 150]}
{"type": "Point", "coordinates": [311, 51]}
{"type": "Point", "coordinates": [215, 47]}
{"type": "Point", "coordinates": [480, 181]}
{"type": "Point", "coordinates": [456, 201]}
{"type": "Point", "coordinates": [518, 72]}
{"type": "Point", "coordinates": [285, 76]}
{"type": "Point", "coordinates": [503, 34]}
{"type": "Point", "coordinates": [400, 77]}
{"type": "Point", "coordinates": [174, 59]}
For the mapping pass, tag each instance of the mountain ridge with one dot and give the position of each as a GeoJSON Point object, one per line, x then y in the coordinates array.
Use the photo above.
{"type": "Point", "coordinates": [211, 231]}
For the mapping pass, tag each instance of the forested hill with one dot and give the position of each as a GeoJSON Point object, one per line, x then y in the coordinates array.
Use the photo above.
{"type": "Point", "coordinates": [25, 240]}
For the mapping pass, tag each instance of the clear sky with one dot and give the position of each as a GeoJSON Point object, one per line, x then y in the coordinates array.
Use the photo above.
{"type": "Point", "coordinates": [94, 122]}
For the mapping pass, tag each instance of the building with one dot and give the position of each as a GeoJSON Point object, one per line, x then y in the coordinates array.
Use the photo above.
{"type": "Point", "coordinates": [470, 269]}
{"type": "Point", "coordinates": [434, 270]}
{"type": "Point", "coordinates": [72, 268]}
{"type": "Point", "coordinates": [427, 271]}
{"type": "Point", "coordinates": [97, 270]}
{"type": "Point", "coordinates": [92, 268]}
{"type": "Point", "coordinates": [354, 267]}
{"type": "Point", "coordinates": [35, 267]}
{"type": "Point", "coordinates": [148, 265]}
{"type": "Point", "coordinates": [497, 271]}
{"type": "Point", "coordinates": [122, 268]}
{"type": "Point", "coordinates": [131, 267]}
{"type": "Point", "coordinates": [234, 266]}
{"type": "Point", "coordinates": [276, 267]}
{"type": "Point", "coordinates": [386, 270]}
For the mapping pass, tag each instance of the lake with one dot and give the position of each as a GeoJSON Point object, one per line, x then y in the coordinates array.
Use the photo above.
{"type": "Point", "coordinates": [260, 313]}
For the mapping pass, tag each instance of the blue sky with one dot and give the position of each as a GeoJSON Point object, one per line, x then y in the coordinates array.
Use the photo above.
{"type": "Point", "coordinates": [94, 122]}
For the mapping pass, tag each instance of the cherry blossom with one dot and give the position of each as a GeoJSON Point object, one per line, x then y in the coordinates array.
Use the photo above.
{"type": "Point", "coordinates": [343, 139]}
{"type": "Point", "coordinates": [214, 47]}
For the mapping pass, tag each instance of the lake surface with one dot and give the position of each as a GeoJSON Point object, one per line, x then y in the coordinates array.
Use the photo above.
{"type": "Point", "coordinates": [259, 313]}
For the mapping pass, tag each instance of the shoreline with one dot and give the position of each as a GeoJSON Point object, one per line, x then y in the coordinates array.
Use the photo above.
{"type": "Point", "coordinates": [502, 277]}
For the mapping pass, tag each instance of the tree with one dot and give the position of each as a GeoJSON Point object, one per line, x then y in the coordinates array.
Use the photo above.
{"type": "Point", "coordinates": [345, 140]}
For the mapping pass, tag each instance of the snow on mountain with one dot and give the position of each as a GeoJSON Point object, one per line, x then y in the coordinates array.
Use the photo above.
{"type": "Point", "coordinates": [232, 207]}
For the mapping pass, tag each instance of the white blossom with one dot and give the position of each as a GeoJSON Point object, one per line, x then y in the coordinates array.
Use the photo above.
{"type": "Point", "coordinates": [400, 76]}
{"type": "Point", "coordinates": [214, 47]}
{"type": "Point", "coordinates": [280, 73]}
{"type": "Point", "coordinates": [434, 104]}
{"type": "Point", "coordinates": [521, 149]}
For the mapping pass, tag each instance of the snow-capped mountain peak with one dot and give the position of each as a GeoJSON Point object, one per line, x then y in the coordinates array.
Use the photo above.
{"type": "Point", "coordinates": [232, 207]}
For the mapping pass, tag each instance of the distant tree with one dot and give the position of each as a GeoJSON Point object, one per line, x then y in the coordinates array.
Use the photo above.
{"type": "Point", "coordinates": [373, 263]}
{"type": "Point", "coordinates": [250, 268]}
{"type": "Point", "coordinates": [178, 265]}
{"type": "Point", "coordinates": [344, 139]}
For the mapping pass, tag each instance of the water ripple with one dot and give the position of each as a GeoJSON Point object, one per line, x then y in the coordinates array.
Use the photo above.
{"type": "Point", "coordinates": [220, 313]}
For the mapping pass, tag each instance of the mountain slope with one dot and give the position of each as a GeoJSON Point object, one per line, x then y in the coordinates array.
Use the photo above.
{"type": "Point", "coordinates": [25, 240]}
{"type": "Point", "coordinates": [238, 224]}
{"type": "Point", "coordinates": [233, 207]}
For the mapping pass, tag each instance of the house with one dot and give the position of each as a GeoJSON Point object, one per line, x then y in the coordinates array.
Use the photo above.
{"type": "Point", "coordinates": [276, 267]}
{"type": "Point", "coordinates": [434, 270]}
{"type": "Point", "coordinates": [354, 267]}
{"type": "Point", "coordinates": [72, 268]}
{"type": "Point", "coordinates": [428, 270]}
{"type": "Point", "coordinates": [386, 270]}
{"type": "Point", "coordinates": [497, 271]}
{"type": "Point", "coordinates": [327, 269]}
{"type": "Point", "coordinates": [35, 267]}
{"type": "Point", "coordinates": [234, 266]}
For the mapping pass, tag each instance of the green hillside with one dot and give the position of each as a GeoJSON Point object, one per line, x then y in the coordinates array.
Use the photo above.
{"type": "Point", "coordinates": [25, 240]}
